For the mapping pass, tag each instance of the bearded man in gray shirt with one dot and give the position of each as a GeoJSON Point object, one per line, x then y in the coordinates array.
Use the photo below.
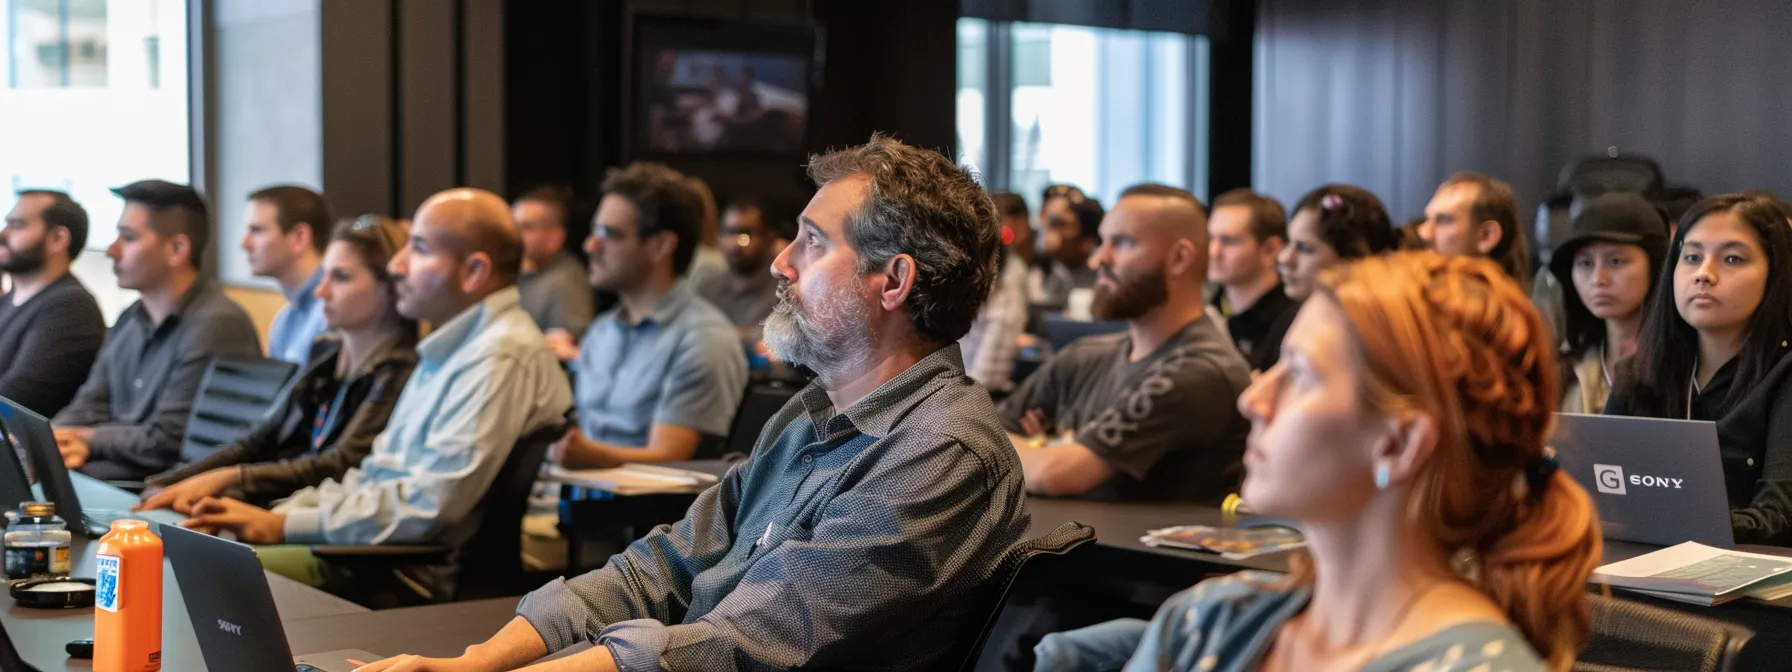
{"type": "Point", "coordinates": [878, 502]}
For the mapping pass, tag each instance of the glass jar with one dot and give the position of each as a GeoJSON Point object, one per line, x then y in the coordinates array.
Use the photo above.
{"type": "Point", "coordinates": [37, 543]}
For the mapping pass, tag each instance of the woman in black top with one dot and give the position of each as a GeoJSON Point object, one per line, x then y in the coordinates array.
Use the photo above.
{"type": "Point", "coordinates": [1714, 349]}
{"type": "Point", "coordinates": [341, 402]}
{"type": "Point", "coordinates": [1331, 225]}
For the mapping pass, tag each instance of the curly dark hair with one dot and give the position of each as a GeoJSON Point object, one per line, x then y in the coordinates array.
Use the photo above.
{"type": "Point", "coordinates": [665, 201]}
{"type": "Point", "coordinates": [1355, 224]}
{"type": "Point", "coordinates": [922, 205]}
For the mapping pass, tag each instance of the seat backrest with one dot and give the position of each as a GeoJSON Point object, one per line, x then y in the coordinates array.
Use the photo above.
{"type": "Point", "coordinates": [1027, 560]}
{"type": "Point", "coordinates": [1595, 175]}
{"type": "Point", "coordinates": [495, 552]}
{"type": "Point", "coordinates": [1064, 331]}
{"type": "Point", "coordinates": [234, 397]}
{"type": "Point", "coordinates": [762, 401]}
{"type": "Point", "coordinates": [1630, 636]}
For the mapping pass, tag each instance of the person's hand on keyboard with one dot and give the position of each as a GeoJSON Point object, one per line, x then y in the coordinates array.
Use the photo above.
{"type": "Point", "coordinates": [252, 524]}
{"type": "Point", "coordinates": [183, 495]}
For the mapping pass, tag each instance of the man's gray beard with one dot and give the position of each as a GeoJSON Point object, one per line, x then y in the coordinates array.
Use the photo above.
{"type": "Point", "coordinates": [829, 343]}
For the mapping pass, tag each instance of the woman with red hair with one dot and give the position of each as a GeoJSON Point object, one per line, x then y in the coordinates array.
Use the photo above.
{"type": "Point", "coordinates": [1404, 429]}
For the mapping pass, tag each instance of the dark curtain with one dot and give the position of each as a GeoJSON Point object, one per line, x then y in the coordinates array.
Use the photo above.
{"type": "Point", "coordinates": [1394, 95]}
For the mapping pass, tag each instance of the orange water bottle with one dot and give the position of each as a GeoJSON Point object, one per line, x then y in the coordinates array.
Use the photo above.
{"type": "Point", "coordinates": [127, 613]}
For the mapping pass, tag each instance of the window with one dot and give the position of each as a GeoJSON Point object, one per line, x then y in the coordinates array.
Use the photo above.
{"type": "Point", "coordinates": [1103, 109]}
{"type": "Point", "coordinates": [973, 88]}
{"type": "Point", "coordinates": [95, 97]}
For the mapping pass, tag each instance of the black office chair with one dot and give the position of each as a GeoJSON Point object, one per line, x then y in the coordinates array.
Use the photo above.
{"type": "Point", "coordinates": [1634, 637]}
{"type": "Point", "coordinates": [1595, 175]}
{"type": "Point", "coordinates": [1064, 331]}
{"type": "Point", "coordinates": [488, 565]}
{"type": "Point", "coordinates": [1025, 564]}
{"type": "Point", "coordinates": [762, 400]}
{"type": "Point", "coordinates": [234, 397]}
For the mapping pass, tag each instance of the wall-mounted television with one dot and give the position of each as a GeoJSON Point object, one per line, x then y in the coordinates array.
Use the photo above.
{"type": "Point", "coordinates": [720, 88]}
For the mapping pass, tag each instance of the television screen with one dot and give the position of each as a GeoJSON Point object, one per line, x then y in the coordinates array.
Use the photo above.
{"type": "Point", "coordinates": [706, 100]}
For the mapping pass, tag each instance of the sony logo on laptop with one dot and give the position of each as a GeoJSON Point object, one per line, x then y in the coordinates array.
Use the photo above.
{"type": "Point", "coordinates": [1609, 479]}
{"type": "Point", "coordinates": [229, 627]}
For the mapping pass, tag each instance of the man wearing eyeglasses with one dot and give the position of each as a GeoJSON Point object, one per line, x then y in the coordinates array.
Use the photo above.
{"type": "Point", "coordinates": [662, 370]}
{"type": "Point", "coordinates": [747, 292]}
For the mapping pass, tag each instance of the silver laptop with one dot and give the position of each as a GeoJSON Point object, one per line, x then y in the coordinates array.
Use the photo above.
{"type": "Point", "coordinates": [34, 431]}
{"type": "Point", "coordinates": [1654, 481]}
{"type": "Point", "coordinates": [233, 610]}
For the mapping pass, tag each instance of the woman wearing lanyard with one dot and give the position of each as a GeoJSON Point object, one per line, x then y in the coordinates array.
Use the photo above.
{"type": "Point", "coordinates": [341, 402]}
{"type": "Point", "coordinates": [1714, 349]}
{"type": "Point", "coordinates": [1614, 251]}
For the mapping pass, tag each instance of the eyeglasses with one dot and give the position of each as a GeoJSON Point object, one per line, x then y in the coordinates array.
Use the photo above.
{"type": "Point", "coordinates": [1072, 193]}
{"type": "Point", "coordinates": [610, 234]}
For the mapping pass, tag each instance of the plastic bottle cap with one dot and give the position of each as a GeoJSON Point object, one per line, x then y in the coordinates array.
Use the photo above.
{"type": "Point", "coordinates": [40, 509]}
{"type": "Point", "coordinates": [130, 524]}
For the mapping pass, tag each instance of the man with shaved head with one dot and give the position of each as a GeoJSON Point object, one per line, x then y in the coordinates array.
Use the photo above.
{"type": "Point", "coordinates": [485, 377]}
{"type": "Point", "coordinates": [1147, 414]}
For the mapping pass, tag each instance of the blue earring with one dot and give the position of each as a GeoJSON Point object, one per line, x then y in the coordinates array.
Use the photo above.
{"type": "Point", "coordinates": [1381, 477]}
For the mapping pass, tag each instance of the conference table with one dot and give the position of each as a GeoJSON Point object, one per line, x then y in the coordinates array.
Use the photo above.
{"type": "Point", "coordinates": [596, 524]}
{"type": "Point", "coordinates": [1149, 574]}
{"type": "Point", "coordinates": [314, 620]}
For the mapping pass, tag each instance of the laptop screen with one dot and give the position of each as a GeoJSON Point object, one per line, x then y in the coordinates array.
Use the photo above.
{"type": "Point", "coordinates": [15, 481]}
{"type": "Point", "coordinates": [1654, 481]}
{"type": "Point", "coordinates": [33, 430]}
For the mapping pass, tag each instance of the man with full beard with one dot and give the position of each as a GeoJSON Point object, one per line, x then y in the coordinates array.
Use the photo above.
{"type": "Point", "coordinates": [1148, 413]}
{"type": "Point", "coordinates": [51, 329]}
{"type": "Point", "coordinates": [878, 502]}
{"type": "Point", "coordinates": [746, 293]}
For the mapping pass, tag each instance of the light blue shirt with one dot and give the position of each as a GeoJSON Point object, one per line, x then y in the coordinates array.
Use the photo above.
{"type": "Point", "coordinates": [483, 380]}
{"type": "Point", "coordinates": [298, 324]}
{"type": "Point", "coordinates": [679, 365]}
